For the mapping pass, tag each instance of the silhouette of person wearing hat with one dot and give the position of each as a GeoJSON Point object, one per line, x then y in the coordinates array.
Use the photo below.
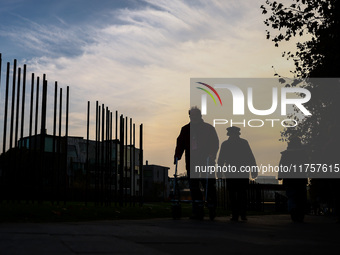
{"type": "Point", "coordinates": [236, 153]}
{"type": "Point", "coordinates": [199, 140]}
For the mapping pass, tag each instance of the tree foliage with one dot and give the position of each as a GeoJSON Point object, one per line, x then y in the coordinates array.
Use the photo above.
{"type": "Point", "coordinates": [316, 22]}
{"type": "Point", "coordinates": [315, 19]}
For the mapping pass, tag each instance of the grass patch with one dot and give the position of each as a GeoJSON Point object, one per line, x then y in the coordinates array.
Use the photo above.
{"type": "Point", "coordinates": [72, 211]}
{"type": "Point", "coordinates": [76, 211]}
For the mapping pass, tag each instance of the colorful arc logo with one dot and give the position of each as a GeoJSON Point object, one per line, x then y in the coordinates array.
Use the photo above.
{"type": "Point", "coordinates": [207, 91]}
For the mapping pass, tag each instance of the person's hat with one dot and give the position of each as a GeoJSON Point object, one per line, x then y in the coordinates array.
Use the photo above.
{"type": "Point", "coordinates": [233, 130]}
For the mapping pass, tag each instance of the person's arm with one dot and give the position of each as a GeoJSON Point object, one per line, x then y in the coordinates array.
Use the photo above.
{"type": "Point", "coordinates": [221, 157]}
{"type": "Point", "coordinates": [180, 146]}
{"type": "Point", "coordinates": [215, 144]}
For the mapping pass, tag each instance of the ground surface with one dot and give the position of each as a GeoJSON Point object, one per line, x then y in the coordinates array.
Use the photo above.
{"type": "Point", "coordinates": [266, 234]}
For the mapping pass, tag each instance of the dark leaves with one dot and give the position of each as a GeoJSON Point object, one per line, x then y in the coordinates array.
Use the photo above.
{"type": "Point", "coordinates": [281, 80]}
{"type": "Point", "coordinates": [314, 57]}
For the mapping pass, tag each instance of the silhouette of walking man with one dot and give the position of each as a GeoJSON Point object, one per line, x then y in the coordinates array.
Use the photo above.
{"type": "Point", "coordinates": [236, 153]}
{"type": "Point", "coordinates": [199, 140]}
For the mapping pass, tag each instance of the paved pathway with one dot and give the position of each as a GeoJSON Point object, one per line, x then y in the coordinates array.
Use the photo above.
{"type": "Point", "coordinates": [271, 234]}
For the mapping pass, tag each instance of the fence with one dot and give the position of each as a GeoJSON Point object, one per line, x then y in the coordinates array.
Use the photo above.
{"type": "Point", "coordinates": [58, 167]}
{"type": "Point", "coordinates": [260, 197]}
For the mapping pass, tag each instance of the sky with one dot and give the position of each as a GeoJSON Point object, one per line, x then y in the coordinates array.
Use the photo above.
{"type": "Point", "coordinates": [137, 57]}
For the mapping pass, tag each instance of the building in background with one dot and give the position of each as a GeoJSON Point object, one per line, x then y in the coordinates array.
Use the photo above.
{"type": "Point", "coordinates": [94, 166]}
{"type": "Point", "coordinates": [156, 182]}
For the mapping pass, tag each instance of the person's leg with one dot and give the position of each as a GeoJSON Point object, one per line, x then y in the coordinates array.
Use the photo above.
{"type": "Point", "coordinates": [242, 199]}
{"type": "Point", "coordinates": [197, 199]}
{"type": "Point", "coordinates": [233, 203]}
{"type": "Point", "coordinates": [212, 198]}
{"type": "Point", "coordinates": [301, 201]}
{"type": "Point", "coordinates": [195, 190]}
{"type": "Point", "coordinates": [291, 200]}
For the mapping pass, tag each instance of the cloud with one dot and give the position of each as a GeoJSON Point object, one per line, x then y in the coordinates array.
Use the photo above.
{"type": "Point", "coordinates": [50, 39]}
{"type": "Point", "coordinates": [141, 61]}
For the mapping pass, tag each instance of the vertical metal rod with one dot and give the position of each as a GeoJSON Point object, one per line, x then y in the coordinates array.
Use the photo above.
{"type": "Point", "coordinates": [59, 182]}
{"type": "Point", "coordinates": [43, 112]}
{"type": "Point", "coordinates": [99, 155]}
{"type": "Point", "coordinates": [116, 129]}
{"type": "Point", "coordinates": [116, 159]}
{"type": "Point", "coordinates": [102, 156]}
{"type": "Point", "coordinates": [42, 170]}
{"type": "Point", "coordinates": [111, 127]}
{"type": "Point", "coordinates": [6, 110]}
{"type": "Point", "coordinates": [36, 110]}
{"type": "Point", "coordinates": [66, 140]}
{"type": "Point", "coordinates": [141, 162]}
{"type": "Point", "coordinates": [11, 160]}
{"type": "Point", "coordinates": [67, 110]}
{"type": "Point", "coordinates": [224, 194]}
{"type": "Point", "coordinates": [110, 159]}
{"type": "Point", "coordinates": [54, 169]}
{"type": "Point", "coordinates": [13, 103]}
{"type": "Point", "coordinates": [55, 116]}
{"type": "Point", "coordinates": [107, 168]}
{"type": "Point", "coordinates": [15, 176]}
{"type": "Point", "coordinates": [31, 159]}
{"type": "Point", "coordinates": [60, 113]}
{"type": "Point", "coordinates": [107, 121]}
{"type": "Point", "coordinates": [223, 197]}
{"type": "Point", "coordinates": [125, 160]}
{"type": "Point", "coordinates": [103, 128]}
{"type": "Point", "coordinates": [31, 111]}
{"type": "Point", "coordinates": [36, 166]}
{"type": "Point", "coordinates": [17, 110]}
{"type": "Point", "coordinates": [121, 161]}
{"type": "Point", "coordinates": [217, 192]}
{"type": "Point", "coordinates": [96, 155]}
{"type": "Point", "coordinates": [134, 163]}
{"type": "Point", "coordinates": [23, 104]}
{"type": "Point", "coordinates": [131, 161]}
{"type": "Point", "coordinates": [87, 152]}
{"type": "Point", "coordinates": [105, 156]}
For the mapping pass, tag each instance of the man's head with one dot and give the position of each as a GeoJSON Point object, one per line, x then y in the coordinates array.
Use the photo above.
{"type": "Point", "coordinates": [195, 114]}
{"type": "Point", "coordinates": [233, 131]}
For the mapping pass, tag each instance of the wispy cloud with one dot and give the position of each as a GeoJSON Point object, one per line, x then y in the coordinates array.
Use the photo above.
{"type": "Point", "coordinates": [141, 61]}
{"type": "Point", "coordinates": [52, 40]}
